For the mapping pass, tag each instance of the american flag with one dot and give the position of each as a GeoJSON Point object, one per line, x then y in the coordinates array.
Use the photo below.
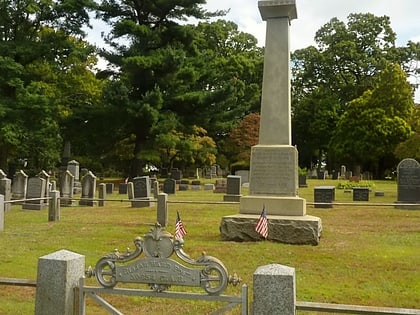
{"type": "Point", "coordinates": [262, 224]}
{"type": "Point", "coordinates": [180, 230]}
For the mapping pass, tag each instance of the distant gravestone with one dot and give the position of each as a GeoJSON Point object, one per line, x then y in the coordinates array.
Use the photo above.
{"type": "Point", "coordinates": [141, 192]}
{"type": "Point", "coordinates": [408, 180]}
{"type": "Point", "coordinates": [122, 188]}
{"type": "Point", "coordinates": [184, 184]}
{"type": "Point", "coordinates": [35, 190]}
{"type": "Point", "coordinates": [88, 190]}
{"type": "Point", "coordinates": [169, 186]}
{"type": "Point", "coordinates": [361, 194]}
{"type": "Point", "coordinates": [73, 167]}
{"type": "Point", "coordinates": [220, 186]}
{"type": "Point", "coordinates": [109, 187]}
{"type": "Point", "coordinates": [44, 175]}
{"type": "Point", "coordinates": [244, 175]}
{"type": "Point", "coordinates": [196, 185]}
{"type": "Point", "coordinates": [19, 186]}
{"type": "Point", "coordinates": [233, 188]}
{"type": "Point", "coordinates": [324, 196]}
{"type": "Point", "coordinates": [66, 184]}
{"type": "Point", "coordinates": [176, 174]}
{"type": "Point", "coordinates": [141, 187]}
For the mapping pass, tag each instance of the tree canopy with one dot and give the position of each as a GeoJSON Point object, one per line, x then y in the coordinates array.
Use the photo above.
{"type": "Point", "coordinates": [341, 89]}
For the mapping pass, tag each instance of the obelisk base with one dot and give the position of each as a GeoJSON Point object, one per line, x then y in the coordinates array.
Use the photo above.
{"type": "Point", "coordinates": [298, 230]}
{"type": "Point", "coordinates": [273, 205]}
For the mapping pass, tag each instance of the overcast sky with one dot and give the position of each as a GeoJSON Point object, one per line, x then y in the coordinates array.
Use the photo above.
{"type": "Point", "coordinates": [312, 14]}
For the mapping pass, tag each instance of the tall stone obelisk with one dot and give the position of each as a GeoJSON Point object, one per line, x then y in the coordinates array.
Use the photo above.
{"type": "Point", "coordinates": [274, 161]}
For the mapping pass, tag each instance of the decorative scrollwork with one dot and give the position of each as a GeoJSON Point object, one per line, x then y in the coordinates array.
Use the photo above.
{"type": "Point", "coordinates": [157, 270]}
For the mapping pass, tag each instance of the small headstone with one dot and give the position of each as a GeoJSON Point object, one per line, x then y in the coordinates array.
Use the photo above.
{"type": "Point", "coordinates": [122, 188]}
{"type": "Point", "coordinates": [66, 189]}
{"type": "Point", "coordinates": [220, 186]}
{"type": "Point", "coordinates": [361, 194]}
{"type": "Point", "coordinates": [88, 190]}
{"type": "Point", "coordinates": [324, 195]}
{"type": "Point", "coordinates": [196, 185]}
{"type": "Point", "coordinates": [176, 174]}
{"type": "Point", "coordinates": [169, 186]}
{"type": "Point", "coordinates": [208, 186]}
{"type": "Point", "coordinates": [19, 186]}
{"type": "Point", "coordinates": [379, 193]}
{"type": "Point", "coordinates": [244, 175]}
{"type": "Point", "coordinates": [141, 187]}
{"type": "Point", "coordinates": [233, 189]}
{"type": "Point", "coordinates": [44, 175]}
{"type": "Point", "coordinates": [109, 188]}
{"type": "Point", "coordinates": [35, 190]}
{"type": "Point", "coordinates": [142, 192]}
{"type": "Point", "coordinates": [73, 167]}
{"type": "Point", "coordinates": [184, 184]}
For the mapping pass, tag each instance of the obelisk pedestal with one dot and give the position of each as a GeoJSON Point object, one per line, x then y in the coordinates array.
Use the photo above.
{"type": "Point", "coordinates": [274, 161]}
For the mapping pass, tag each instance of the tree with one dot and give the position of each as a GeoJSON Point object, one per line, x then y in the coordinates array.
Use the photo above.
{"type": "Point", "coordinates": [173, 72]}
{"type": "Point", "coordinates": [375, 123]}
{"type": "Point", "coordinates": [344, 65]}
{"type": "Point", "coordinates": [243, 137]}
{"type": "Point", "coordinates": [41, 51]}
{"type": "Point", "coordinates": [410, 148]}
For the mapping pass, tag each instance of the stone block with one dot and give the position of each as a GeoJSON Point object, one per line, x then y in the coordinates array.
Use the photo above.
{"type": "Point", "coordinates": [299, 230]}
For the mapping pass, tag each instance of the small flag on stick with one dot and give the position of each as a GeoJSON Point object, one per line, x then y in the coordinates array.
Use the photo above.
{"type": "Point", "coordinates": [262, 224]}
{"type": "Point", "coordinates": [180, 231]}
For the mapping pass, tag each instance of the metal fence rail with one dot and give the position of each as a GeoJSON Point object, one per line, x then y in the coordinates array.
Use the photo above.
{"type": "Point", "coordinates": [93, 292]}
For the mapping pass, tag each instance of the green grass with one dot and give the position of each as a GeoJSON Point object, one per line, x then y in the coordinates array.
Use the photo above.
{"type": "Point", "coordinates": [368, 255]}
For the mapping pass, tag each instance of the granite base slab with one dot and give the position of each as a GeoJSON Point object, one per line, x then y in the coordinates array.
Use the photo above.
{"type": "Point", "coordinates": [298, 230]}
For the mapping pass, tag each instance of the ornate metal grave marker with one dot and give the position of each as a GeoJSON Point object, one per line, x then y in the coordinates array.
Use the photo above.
{"type": "Point", "coordinates": [157, 269]}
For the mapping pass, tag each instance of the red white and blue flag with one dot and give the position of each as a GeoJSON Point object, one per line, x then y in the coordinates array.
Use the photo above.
{"type": "Point", "coordinates": [180, 230]}
{"type": "Point", "coordinates": [262, 224]}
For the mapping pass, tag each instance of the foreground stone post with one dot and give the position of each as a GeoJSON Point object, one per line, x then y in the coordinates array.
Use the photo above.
{"type": "Point", "coordinates": [1, 213]}
{"type": "Point", "coordinates": [58, 275]}
{"type": "Point", "coordinates": [162, 209]}
{"type": "Point", "coordinates": [54, 206]}
{"type": "Point", "coordinates": [274, 290]}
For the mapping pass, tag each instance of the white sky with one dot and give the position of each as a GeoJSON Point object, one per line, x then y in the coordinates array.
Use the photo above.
{"type": "Point", "coordinates": [312, 14]}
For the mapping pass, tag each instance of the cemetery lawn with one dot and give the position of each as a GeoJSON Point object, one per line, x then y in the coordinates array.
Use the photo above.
{"type": "Point", "coordinates": [368, 254]}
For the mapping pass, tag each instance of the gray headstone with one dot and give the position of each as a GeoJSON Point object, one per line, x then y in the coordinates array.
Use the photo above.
{"type": "Point", "coordinates": [169, 186]}
{"type": "Point", "coordinates": [325, 195]}
{"type": "Point", "coordinates": [408, 179]}
{"type": "Point", "coordinates": [141, 187]}
{"type": "Point", "coordinates": [122, 188]}
{"type": "Point", "coordinates": [66, 188]}
{"type": "Point", "coordinates": [360, 193]}
{"type": "Point", "coordinates": [35, 189]}
{"type": "Point", "coordinates": [88, 190]}
{"type": "Point", "coordinates": [73, 167]}
{"type": "Point", "coordinates": [20, 183]}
